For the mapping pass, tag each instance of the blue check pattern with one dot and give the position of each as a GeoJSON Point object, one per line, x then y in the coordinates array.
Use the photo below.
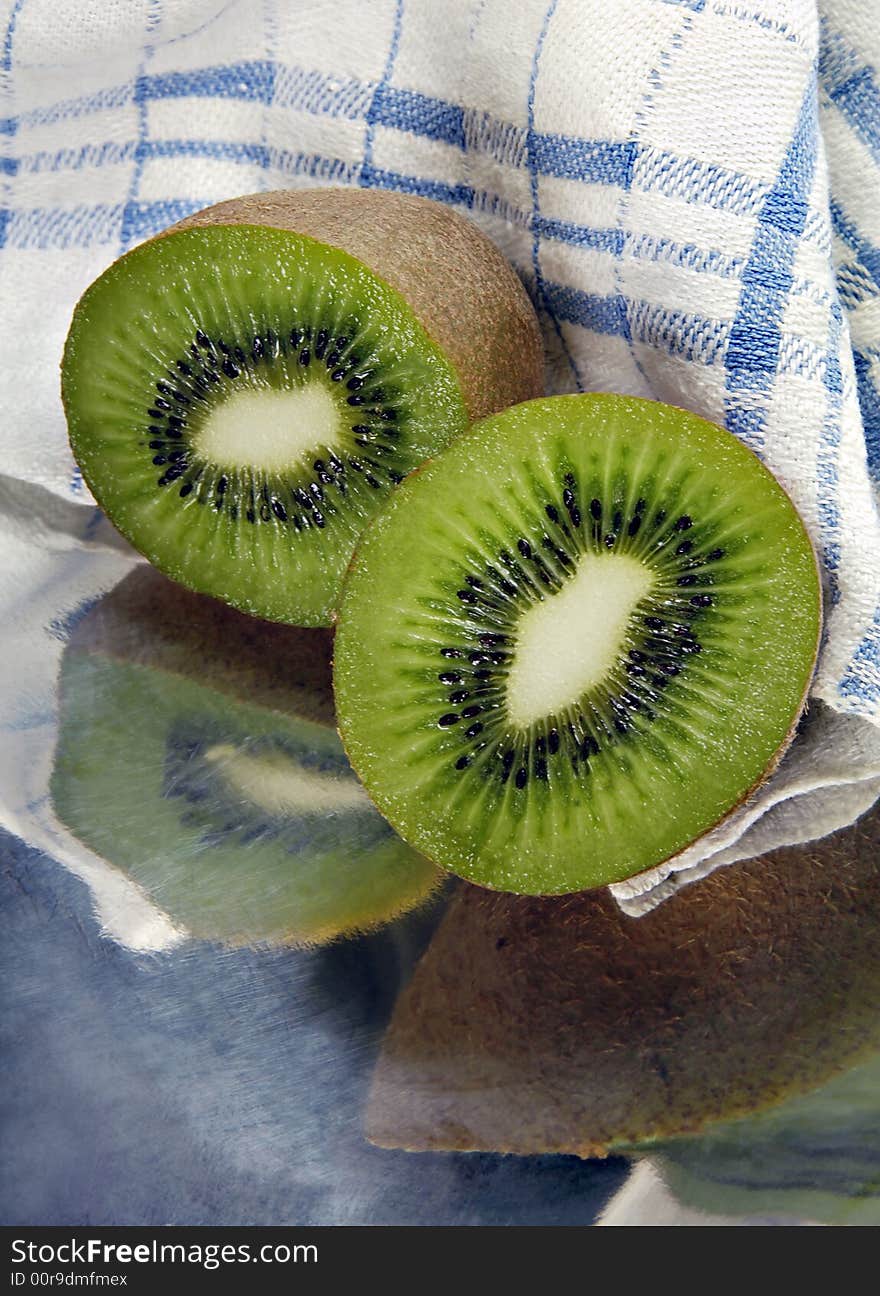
{"type": "Point", "coordinates": [688, 188]}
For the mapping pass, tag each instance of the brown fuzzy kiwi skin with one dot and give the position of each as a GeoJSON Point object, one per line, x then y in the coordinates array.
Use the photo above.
{"type": "Point", "coordinates": [462, 290]}
{"type": "Point", "coordinates": [149, 620]}
{"type": "Point", "coordinates": [537, 1025]}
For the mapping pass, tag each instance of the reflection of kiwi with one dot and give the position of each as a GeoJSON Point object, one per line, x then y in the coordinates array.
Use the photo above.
{"type": "Point", "coordinates": [558, 1025]}
{"type": "Point", "coordinates": [196, 752]}
{"type": "Point", "coordinates": [816, 1156]}
{"type": "Point", "coordinates": [599, 646]}
{"type": "Point", "coordinates": [244, 391]}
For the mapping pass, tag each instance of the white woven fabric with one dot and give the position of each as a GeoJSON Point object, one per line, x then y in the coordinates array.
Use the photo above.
{"type": "Point", "coordinates": [689, 189]}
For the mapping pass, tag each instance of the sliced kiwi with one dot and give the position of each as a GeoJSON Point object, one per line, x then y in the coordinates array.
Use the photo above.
{"type": "Point", "coordinates": [556, 1024]}
{"type": "Point", "coordinates": [599, 645]}
{"type": "Point", "coordinates": [243, 392]}
{"type": "Point", "coordinates": [197, 752]}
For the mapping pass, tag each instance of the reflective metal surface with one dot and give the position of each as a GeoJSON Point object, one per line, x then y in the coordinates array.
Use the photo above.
{"type": "Point", "coordinates": [233, 996]}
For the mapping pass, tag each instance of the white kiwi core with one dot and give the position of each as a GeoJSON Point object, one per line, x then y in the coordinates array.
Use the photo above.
{"type": "Point", "coordinates": [269, 429]}
{"type": "Point", "coordinates": [280, 786]}
{"type": "Point", "coordinates": [569, 641]}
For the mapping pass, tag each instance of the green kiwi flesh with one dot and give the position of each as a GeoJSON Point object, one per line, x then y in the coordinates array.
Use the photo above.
{"type": "Point", "coordinates": [813, 1157]}
{"type": "Point", "coordinates": [241, 399]}
{"type": "Point", "coordinates": [556, 1024]}
{"type": "Point", "coordinates": [200, 758]}
{"type": "Point", "coordinates": [599, 644]}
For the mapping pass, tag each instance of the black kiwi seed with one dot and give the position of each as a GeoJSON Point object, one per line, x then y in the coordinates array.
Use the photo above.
{"type": "Point", "coordinates": [450, 718]}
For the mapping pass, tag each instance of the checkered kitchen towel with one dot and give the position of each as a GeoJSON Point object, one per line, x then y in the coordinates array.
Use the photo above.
{"type": "Point", "coordinates": [689, 189]}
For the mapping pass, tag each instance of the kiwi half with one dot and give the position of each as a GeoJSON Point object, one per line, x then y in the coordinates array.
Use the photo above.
{"type": "Point", "coordinates": [243, 392]}
{"type": "Point", "coordinates": [601, 642]}
{"type": "Point", "coordinates": [556, 1024]}
{"type": "Point", "coordinates": [197, 752]}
